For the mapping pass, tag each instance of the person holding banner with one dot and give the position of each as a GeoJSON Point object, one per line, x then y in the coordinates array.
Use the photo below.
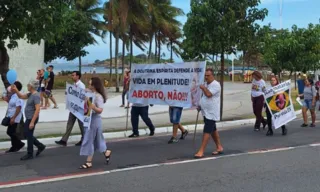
{"type": "Point", "coordinates": [274, 82]}
{"type": "Point", "coordinates": [76, 77]}
{"type": "Point", "coordinates": [309, 102]}
{"type": "Point", "coordinates": [93, 138]}
{"type": "Point", "coordinates": [210, 109]}
{"type": "Point", "coordinates": [143, 111]}
{"type": "Point", "coordinates": [175, 116]}
{"type": "Point", "coordinates": [257, 91]}
{"type": "Point", "coordinates": [31, 111]}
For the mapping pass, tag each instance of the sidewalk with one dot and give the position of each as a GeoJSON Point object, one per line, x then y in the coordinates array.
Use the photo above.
{"type": "Point", "coordinates": [237, 105]}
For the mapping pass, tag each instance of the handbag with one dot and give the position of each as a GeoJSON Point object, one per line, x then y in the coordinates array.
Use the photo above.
{"type": "Point", "coordinates": [6, 120]}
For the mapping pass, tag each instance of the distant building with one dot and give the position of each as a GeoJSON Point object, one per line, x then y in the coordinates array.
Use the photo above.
{"type": "Point", "coordinates": [26, 59]}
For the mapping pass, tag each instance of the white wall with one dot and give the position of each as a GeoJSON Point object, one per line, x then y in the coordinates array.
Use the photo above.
{"type": "Point", "coordinates": [26, 59]}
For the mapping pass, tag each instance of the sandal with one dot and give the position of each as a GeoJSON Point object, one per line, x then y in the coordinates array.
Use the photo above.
{"type": "Point", "coordinates": [304, 125]}
{"type": "Point", "coordinates": [198, 156]}
{"type": "Point", "coordinates": [86, 165]}
{"type": "Point", "coordinates": [217, 153]}
{"type": "Point", "coordinates": [107, 156]}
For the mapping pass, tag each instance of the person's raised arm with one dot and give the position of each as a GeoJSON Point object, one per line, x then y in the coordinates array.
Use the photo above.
{"type": "Point", "coordinates": [19, 94]}
{"type": "Point", "coordinates": [206, 91]}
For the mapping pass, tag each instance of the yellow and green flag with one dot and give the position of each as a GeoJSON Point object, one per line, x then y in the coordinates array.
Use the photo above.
{"type": "Point", "coordinates": [278, 100]}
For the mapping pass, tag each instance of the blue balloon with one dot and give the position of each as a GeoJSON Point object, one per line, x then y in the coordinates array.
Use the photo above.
{"type": "Point", "coordinates": [11, 76]}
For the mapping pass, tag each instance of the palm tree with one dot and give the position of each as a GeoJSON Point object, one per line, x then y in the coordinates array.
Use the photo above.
{"type": "Point", "coordinates": [174, 42]}
{"type": "Point", "coordinates": [163, 19]}
{"type": "Point", "coordinates": [92, 11]}
{"type": "Point", "coordinates": [137, 22]}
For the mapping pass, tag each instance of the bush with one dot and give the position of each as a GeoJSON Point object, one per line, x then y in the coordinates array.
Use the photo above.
{"type": "Point", "coordinates": [60, 80]}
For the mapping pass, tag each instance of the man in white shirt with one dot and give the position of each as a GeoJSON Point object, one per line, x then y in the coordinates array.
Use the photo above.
{"type": "Point", "coordinates": [76, 76]}
{"type": "Point", "coordinates": [210, 109]}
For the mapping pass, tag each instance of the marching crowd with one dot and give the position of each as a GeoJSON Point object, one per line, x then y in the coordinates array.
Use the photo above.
{"type": "Point", "coordinates": [40, 91]}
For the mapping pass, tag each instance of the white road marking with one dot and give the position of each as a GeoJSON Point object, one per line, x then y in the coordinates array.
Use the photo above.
{"type": "Point", "coordinates": [82, 175]}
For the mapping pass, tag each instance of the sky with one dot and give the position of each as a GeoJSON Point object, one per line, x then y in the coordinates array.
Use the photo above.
{"type": "Point", "coordinates": [299, 12]}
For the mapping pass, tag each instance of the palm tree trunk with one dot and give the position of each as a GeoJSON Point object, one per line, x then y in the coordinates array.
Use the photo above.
{"type": "Point", "coordinates": [4, 65]}
{"type": "Point", "coordinates": [159, 49]}
{"type": "Point", "coordinates": [221, 84]}
{"type": "Point", "coordinates": [156, 46]}
{"type": "Point", "coordinates": [150, 46]}
{"type": "Point", "coordinates": [123, 54]}
{"type": "Point", "coordinates": [110, 67]}
{"type": "Point", "coordinates": [131, 49]}
{"type": "Point", "coordinates": [171, 52]}
{"type": "Point", "coordinates": [116, 61]}
{"type": "Point", "coordinates": [80, 63]}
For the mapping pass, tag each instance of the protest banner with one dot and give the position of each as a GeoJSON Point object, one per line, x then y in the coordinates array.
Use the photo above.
{"type": "Point", "coordinates": [279, 102]}
{"type": "Point", "coordinates": [77, 104]}
{"type": "Point", "coordinates": [167, 84]}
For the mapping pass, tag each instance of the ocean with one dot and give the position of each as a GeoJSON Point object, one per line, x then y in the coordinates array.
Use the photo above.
{"type": "Point", "coordinates": [85, 69]}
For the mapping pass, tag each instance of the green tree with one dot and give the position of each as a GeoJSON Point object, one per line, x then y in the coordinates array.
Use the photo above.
{"type": "Point", "coordinates": [32, 20]}
{"type": "Point", "coordinates": [174, 42]}
{"type": "Point", "coordinates": [215, 26]}
{"type": "Point", "coordinates": [81, 24]}
{"type": "Point", "coordinates": [76, 37]}
{"type": "Point", "coordinates": [163, 24]}
{"type": "Point", "coordinates": [311, 38]}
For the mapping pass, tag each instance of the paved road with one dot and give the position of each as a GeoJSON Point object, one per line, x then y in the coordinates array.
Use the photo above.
{"type": "Point", "coordinates": [287, 171]}
{"type": "Point", "coordinates": [284, 171]}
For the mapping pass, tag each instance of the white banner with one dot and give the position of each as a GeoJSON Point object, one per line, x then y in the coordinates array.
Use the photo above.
{"type": "Point", "coordinates": [167, 84]}
{"type": "Point", "coordinates": [77, 105]}
{"type": "Point", "coordinates": [279, 102]}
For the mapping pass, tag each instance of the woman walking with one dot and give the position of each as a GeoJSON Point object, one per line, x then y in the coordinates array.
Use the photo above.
{"type": "Point", "coordinates": [309, 102]}
{"type": "Point", "coordinates": [274, 82]}
{"type": "Point", "coordinates": [93, 138]}
{"type": "Point", "coordinates": [258, 87]}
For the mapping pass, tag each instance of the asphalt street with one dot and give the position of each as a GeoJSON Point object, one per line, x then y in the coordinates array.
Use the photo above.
{"type": "Point", "coordinates": [287, 171]}
{"type": "Point", "coordinates": [238, 173]}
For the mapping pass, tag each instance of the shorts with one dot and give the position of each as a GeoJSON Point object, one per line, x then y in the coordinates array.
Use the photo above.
{"type": "Point", "coordinates": [209, 126]}
{"type": "Point", "coordinates": [47, 93]}
{"type": "Point", "coordinates": [307, 103]}
{"type": "Point", "coordinates": [175, 114]}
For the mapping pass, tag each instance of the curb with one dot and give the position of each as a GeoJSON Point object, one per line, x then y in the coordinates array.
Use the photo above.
{"type": "Point", "coordinates": [142, 132]}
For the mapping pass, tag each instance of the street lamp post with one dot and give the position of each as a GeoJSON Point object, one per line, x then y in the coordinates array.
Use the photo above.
{"type": "Point", "coordinates": [280, 12]}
